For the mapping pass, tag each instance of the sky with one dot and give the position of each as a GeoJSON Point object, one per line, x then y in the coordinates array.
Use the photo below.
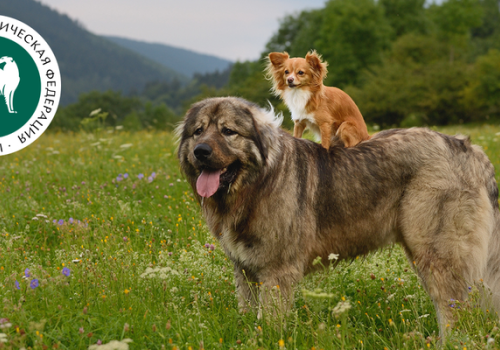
{"type": "Point", "coordinates": [230, 29]}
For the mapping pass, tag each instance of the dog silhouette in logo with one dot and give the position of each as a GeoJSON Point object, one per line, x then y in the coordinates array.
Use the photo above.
{"type": "Point", "coordinates": [9, 80]}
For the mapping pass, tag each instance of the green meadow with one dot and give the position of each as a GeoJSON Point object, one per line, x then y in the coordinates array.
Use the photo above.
{"type": "Point", "coordinates": [103, 246]}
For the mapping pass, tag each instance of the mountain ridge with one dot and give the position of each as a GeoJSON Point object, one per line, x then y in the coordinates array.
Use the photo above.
{"type": "Point", "coordinates": [185, 61]}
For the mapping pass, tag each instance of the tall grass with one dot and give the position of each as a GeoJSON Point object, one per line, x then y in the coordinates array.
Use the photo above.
{"type": "Point", "coordinates": [102, 242]}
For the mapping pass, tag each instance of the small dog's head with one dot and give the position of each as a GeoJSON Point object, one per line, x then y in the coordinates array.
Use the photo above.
{"type": "Point", "coordinates": [286, 72]}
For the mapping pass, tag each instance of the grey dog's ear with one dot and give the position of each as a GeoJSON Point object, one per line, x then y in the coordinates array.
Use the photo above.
{"type": "Point", "coordinates": [260, 141]}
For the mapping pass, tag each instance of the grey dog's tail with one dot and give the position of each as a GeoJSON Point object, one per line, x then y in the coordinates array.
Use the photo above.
{"type": "Point", "coordinates": [492, 277]}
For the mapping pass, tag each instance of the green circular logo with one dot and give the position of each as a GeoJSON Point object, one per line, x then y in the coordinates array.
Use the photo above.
{"type": "Point", "coordinates": [30, 85]}
{"type": "Point", "coordinates": [20, 86]}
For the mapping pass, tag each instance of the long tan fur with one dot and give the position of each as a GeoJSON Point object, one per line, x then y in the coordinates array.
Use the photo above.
{"type": "Point", "coordinates": [327, 111]}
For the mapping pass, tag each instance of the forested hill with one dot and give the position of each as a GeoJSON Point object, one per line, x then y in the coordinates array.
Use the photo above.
{"type": "Point", "coordinates": [184, 61]}
{"type": "Point", "coordinates": [87, 61]}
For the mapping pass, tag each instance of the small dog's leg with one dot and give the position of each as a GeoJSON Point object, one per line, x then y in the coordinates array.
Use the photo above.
{"type": "Point", "coordinates": [298, 129]}
{"type": "Point", "coordinates": [326, 135]}
{"type": "Point", "coordinates": [348, 133]}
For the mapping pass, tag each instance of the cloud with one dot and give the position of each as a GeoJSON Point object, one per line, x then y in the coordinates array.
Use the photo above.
{"type": "Point", "coordinates": [232, 29]}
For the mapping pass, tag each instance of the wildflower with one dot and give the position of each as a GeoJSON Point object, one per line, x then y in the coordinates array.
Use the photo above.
{"type": "Point", "coordinates": [119, 177]}
{"type": "Point", "coordinates": [34, 283]}
{"type": "Point", "coordinates": [281, 343]}
{"type": "Point", "coordinates": [60, 222]}
{"type": "Point", "coordinates": [341, 307]}
{"type": "Point", "coordinates": [71, 221]}
{"type": "Point", "coordinates": [17, 285]}
{"type": "Point", "coordinates": [125, 176]}
{"type": "Point", "coordinates": [4, 323]}
{"type": "Point", "coordinates": [3, 338]}
{"type": "Point", "coordinates": [317, 260]}
{"type": "Point", "coordinates": [207, 245]}
{"type": "Point", "coordinates": [140, 176]}
{"type": "Point", "coordinates": [125, 239]}
{"type": "Point", "coordinates": [66, 272]}
{"type": "Point", "coordinates": [212, 247]}
{"type": "Point", "coordinates": [333, 257]}
{"type": "Point", "coordinates": [112, 345]}
{"type": "Point", "coordinates": [153, 174]}
{"type": "Point", "coordinates": [150, 179]}
{"type": "Point", "coordinates": [81, 330]}
{"type": "Point", "coordinates": [27, 272]}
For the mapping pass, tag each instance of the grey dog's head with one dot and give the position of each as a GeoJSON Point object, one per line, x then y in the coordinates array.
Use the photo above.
{"type": "Point", "coordinates": [223, 141]}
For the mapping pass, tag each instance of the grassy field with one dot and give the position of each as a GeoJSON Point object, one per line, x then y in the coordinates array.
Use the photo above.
{"type": "Point", "coordinates": [101, 242]}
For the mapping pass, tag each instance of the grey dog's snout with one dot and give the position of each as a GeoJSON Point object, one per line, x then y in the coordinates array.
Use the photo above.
{"type": "Point", "coordinates": [202, 151]}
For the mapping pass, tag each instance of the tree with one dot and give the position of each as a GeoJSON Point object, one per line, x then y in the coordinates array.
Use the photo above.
{"type": "Point", "coordinates": [455, 20]}
{"type": "Point", "coordinates": [406, 16]}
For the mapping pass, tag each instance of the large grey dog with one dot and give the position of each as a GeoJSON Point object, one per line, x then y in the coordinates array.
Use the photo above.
{"type": "Point", "coordinates": [276, 202]}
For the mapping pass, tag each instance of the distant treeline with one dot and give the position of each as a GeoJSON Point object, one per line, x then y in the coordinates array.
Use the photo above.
{"type": "Point", "coordinates": [404, 63]}
{"type": "Point", "coordinates": [159, 106]}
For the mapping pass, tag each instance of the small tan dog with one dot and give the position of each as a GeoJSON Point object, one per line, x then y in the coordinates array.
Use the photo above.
{"type": "Point", "coordinates": [327, 111]}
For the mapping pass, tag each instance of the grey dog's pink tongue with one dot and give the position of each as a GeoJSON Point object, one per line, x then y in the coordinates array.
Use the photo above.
{"type": "Point", "coordinates": [208, 182]}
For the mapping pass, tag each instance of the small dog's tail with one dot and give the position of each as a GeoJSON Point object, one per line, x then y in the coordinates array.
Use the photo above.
{"type": "Point", "coordinates": [492, 278]}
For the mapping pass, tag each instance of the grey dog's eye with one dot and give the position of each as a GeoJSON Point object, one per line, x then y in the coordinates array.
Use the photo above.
{"type": "Point", "coordinates": [198, 131]}
{"type": "Point", "coordinates": [228, 132]}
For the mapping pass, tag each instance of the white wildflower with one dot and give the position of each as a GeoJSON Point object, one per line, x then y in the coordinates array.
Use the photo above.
{"type": "Point", "coordinates": [341, 307]}
{"type": "Point", "coordinates": [94, 112]}
{"type": "Point", "coordinates": [317, 294]}
{"type": "Point", "coordinates": [126, 145]}
{"type": "Point", "coordinates": [112, 345]}
{"type": "Point", "coordinates": [333, 256]}
{"type": "Point", "coordinates": [3, 338]}
{"type": "Point", "coordinates": [423, 316]}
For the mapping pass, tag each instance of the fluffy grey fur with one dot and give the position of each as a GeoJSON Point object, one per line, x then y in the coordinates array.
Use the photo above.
{"type": "Point", "coordinates": [284, 201]}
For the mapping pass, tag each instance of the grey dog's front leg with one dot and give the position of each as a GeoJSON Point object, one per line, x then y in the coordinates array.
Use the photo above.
{"type": "Point", "coordinates": [247, 289]}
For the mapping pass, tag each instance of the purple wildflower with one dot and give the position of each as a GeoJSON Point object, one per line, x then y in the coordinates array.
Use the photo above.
{"type": "Point", "coordinates": [140, 176]}
{"type": "Point", "coordinates": [66, 272]}
{"type": "Point", "coordinates": [170, 184]}
{"type": "Point", "coordinates": [212, 247]}
{"type": "Point", "coordinates": [150, 179]}
{"type": "Point", "coordinates": [71, 220]}
{"type": "Point", "coordinates": [125, 176]}
{"type": "Point", "coordinates": [153, 174]}
{"type": "Point", "coordinates": [27, 272]}
{"type": "Point", "coordinates": [125, 239]}
{"type": "Point", "coordinates": [207, 245]}
{"type": "Point", "coordinates": [81, 330]}
{"type": "Point", "coordinates": [54, 221]}
{"type": "Point", "coordinates": [169, 253]}
{"type": "Point", "coordinates": [119, 177]}
{"type": "Point", "coordinates": [34, 283]}
{"type": "Point", "coordinates": [17, 285]}
{"type": "Point", "coordinates": [83, 182]}
{"type": "Point", "coordinates": [99, 342]}
{"type": "Point", "coordinates": [60, 222]}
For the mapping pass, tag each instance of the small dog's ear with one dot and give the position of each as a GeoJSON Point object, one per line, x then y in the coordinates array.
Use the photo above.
{"type": "Point", "coordinates": [319, 67]}
{"type": "Point", "coordinates": [278, 58]}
